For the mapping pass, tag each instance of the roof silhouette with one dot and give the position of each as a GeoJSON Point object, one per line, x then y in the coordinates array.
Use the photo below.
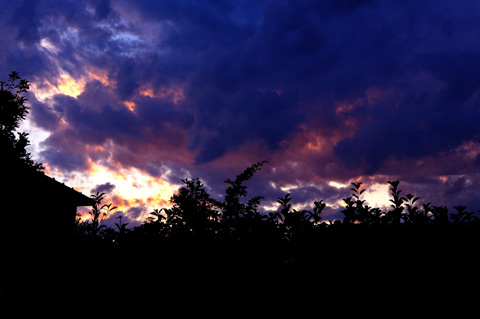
{"type": "Point", "coordinates": [44, 185]}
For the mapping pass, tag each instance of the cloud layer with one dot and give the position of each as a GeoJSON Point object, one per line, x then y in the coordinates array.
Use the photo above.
{"type": "Point", "coordinates": [326, 90]}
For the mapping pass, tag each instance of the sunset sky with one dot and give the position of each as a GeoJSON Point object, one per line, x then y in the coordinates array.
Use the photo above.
{"type": "Point", "coordinates": [129, 97]}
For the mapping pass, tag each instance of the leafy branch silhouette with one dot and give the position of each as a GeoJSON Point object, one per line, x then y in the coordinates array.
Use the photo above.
{"type": "Point", "coordinates": [98, 214]}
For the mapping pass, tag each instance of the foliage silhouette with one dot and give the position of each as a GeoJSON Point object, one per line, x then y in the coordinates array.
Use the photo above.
{"type": "Point", "coordinates": [395, 215]}
{"type": "Point", "coordinates": [232, 208]}
{"type": "Point", "coordinates": [201, 242]}
{"type": "Point", "coordinates": [98, 214]}
{"type": "Point", "coordinates": [13, 109]}
{"type": "Point", "coordinates": [356, 211]}
{"type": "Point", "coordinates": [193, 210]}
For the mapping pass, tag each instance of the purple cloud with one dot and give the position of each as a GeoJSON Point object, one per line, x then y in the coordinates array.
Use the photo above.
{"type": "Point", "coordinates": [103, 188]}
{"type": "Point", "coordinates": [327, 90]}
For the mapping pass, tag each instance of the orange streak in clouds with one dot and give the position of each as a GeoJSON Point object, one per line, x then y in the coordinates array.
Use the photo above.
{"type": "Point", "coordinates": [100, 75]}
{"type": "Point", "coordinates": [130, 105]}
{"type": "Point", "coordinates": [172, 94]}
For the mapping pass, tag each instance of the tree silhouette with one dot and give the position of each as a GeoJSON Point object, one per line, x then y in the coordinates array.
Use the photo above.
{"type": "Point", "coordinates": [193, 210]}
{"type": "Point", "coordinates": [13, 110]}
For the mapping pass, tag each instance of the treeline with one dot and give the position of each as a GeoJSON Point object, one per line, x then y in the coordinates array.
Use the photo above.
{"type": "Point", "coordinates": [200, 239]}
{"type": "Point", "coordinates": [195, 214]}
{"type": "Point", "coordinates": [203, 255]}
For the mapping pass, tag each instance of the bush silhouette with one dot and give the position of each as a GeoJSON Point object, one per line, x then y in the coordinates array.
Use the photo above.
{"type": "Point", "coordinates": [296, 246]}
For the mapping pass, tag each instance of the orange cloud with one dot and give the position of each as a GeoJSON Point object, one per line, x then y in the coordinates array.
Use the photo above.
{"type": "Point", "coordinates": [100, 75]}
{"type": "Point", "coordinates": [66, 84]}
{"type": "Point", "coordinates": [173, 94]}
{"type": "Point", "coordinates": [129, 105]}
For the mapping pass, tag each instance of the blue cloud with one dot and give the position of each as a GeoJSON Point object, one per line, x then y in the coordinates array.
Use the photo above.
{"type": "Point", "coordinates": [254, 72]}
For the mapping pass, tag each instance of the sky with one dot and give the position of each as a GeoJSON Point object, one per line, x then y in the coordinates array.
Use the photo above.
{"type": "Point", "coordinates": [131, 97]}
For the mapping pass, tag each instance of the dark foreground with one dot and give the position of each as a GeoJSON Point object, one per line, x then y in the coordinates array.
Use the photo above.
{"type": "Point", "coordinates": [344, 264]}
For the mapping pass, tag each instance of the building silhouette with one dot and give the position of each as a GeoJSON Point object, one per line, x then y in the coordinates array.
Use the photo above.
{"type": "Point", "coordinates": [35, 206]}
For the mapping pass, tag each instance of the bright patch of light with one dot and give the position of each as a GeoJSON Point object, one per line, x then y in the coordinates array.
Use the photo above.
{"type": "Point", "coordinates": [69, 86]}
{"type": "Point", "coordinates": [45, 89]}
{"type": "Point", "coordinates": [377, 195]}
{"type": "Point", "coordinates": [288, 188]}
{"type": "Point", "coordinates": [129, 105]}
{"type": "Point", "coordinates": [133, 188]}
{"type": "Point", "coordinates": [66, 85]}
{"type": "Point", "coordinates": [338, 204]}
{"type": "Point", "coordinates": [128, 37]}
{"type": "Point", "coordinates": [36, 136]}
{"type": "Point", "coordinates": [45, 44]}
{"type": "Point", "coordinates": [336, 184]}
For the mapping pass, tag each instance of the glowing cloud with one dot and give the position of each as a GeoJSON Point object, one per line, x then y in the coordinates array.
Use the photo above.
{"type": "Point", "coordinates": [208, 89]}
{"type": "Point", "coordinates": [65, 84]}
{"type": "Point", "coordinates": [100, 75]}
{"type": "Point", "coordinates": [129, 105]}
{"type": "Point", "coordinates": [133, 188]}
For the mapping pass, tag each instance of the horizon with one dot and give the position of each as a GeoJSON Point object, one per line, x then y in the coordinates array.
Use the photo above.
{"type": "Point", "coordinates": [130, 97]}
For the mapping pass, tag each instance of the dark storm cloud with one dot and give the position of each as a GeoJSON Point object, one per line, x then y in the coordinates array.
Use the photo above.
{"type": "Point", "coordinates": [375, 80]}
{"type": "Point", "coordinates": [196, 25]}
{"type": "Point", "coordinates": [103, 188]}
{"type": "Point", "coordinates": [157, 114]}
{"type": "Point", "coordinates": [246, 116]}
{"type": "Point", "coordinates": [301, 48]}
{"type": "Point", "coordinates": [418, 127]}
{"type": "Point", "coordinates": [44, 115]}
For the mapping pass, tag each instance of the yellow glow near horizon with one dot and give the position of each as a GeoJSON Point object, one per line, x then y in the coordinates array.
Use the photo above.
{"type": "Point", "coordinates": [377, 195]}
{"type": "Point", "coordinates": [133, 187]}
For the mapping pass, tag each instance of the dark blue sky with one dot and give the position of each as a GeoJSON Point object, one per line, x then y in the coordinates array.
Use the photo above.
{"type": "Point", "coordinates": [326, 90]}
